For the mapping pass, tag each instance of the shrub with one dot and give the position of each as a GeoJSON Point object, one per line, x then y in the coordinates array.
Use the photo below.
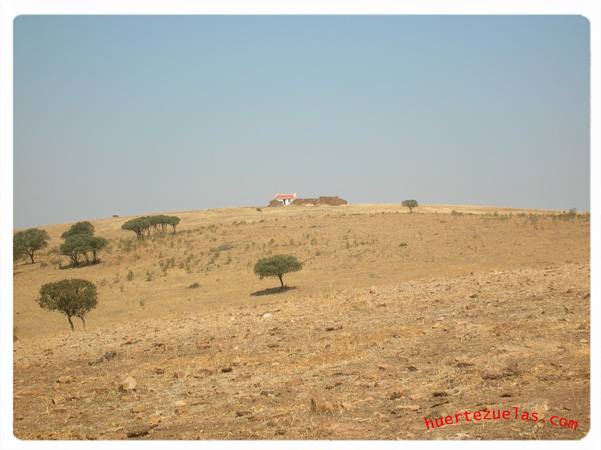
{"type": "Point", "coordinates": [222, 248]}
{"type": "Point", "coordinates": [28, 242]}
{"type": "Point", "coordinates": [194, 285]}
{"type": "Point", "coordinates": [277, 266]}
{"type": "Point", "coordinates": [73, 298]}
{"type": "Point", "coordinates": [409, 204]}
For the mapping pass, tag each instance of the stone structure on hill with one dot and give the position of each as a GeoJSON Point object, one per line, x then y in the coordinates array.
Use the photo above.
{"type": "Point", "coordinates": [293, 200]}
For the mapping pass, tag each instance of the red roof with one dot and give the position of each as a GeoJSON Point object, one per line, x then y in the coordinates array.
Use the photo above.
{"type": "Point", "coordinates": [285, 196]}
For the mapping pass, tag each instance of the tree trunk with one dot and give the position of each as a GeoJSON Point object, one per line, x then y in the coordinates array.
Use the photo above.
{"type": "Point", "coordinates": [30, 253]}
{"type": "Point", "coordinates": [94, 257]}
{"type": "Point", "coordinates": [281, 281]}
{"type": "Point", "coordinates": [71, 323]}
{"type": "Point", "coordinates": [83, 321]}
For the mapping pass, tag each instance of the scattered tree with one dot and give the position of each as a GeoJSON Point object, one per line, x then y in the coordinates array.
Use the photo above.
{"type": "Point", "coordinates": [79, 228]}
{"type": "Point", "coordinates": [29, 241]}
{"type": "Point", "coordinates": [73, 298]}
{"type": "Point", "coordinates": [96, 243]}
{"type": "Point", "coordinates": [18, 249]}
{"type": "Point", "coordinates": [409, 204]}
{"type": "Point", "coordinates": [277, 266]}
{"type": "Point", "coordinates": [80, 245]}
{"type": "Point", "coordinates": [144, 225]}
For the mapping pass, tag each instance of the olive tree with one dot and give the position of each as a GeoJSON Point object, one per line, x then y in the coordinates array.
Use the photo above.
{"type": "Point", "coordinates": [79, 245]}
{"type": "Point", "coordinates": [29, 241]}
{"type": "Point", "coordinates": [277, 266]}
{"type": "Point", "coordinates": [138, 226]}
{"type": "Point", "coordinates": [73, 298]}
{"type": "Point", "coordinates": [79, 228]}
{"type": "Point", "coordinates": [409, 204]}
{"type": "Point", "coordinates": [146, 224]}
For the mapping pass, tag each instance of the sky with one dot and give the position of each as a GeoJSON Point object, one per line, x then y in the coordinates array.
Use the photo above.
{"type": "Point", "coordinates": [140, 114]}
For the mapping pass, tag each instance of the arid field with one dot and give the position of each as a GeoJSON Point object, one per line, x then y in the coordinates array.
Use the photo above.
{"type": "Point", "coordinates": [395, 318]}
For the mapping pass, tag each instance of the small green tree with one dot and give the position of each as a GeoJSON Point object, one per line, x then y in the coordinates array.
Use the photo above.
{"type": "Point", "coordinates": [79, 228]}
{"type": "Point", "coordinates": [73, 298]}
{"type": "Point", "coordinates": [173, 221]}
{"type": "Point", "coordinates": [145, 224]}
{"type": "Point", "coordinates": [277, 266]}
{"type": "Point", "coordinates": [29, 241]}
{"type": "Point", "coordinates": [95, 244]}
{"type": "Point", "coordinates": [409, 204]}
{"type": "Point", "coordinates": [75, 247]}
{"type": "Point", "coordinates": [18, 249]}
{"type": "Point", "coordinates": [137, 225]}
{"type": "Point", "coordinates": [80, 245]}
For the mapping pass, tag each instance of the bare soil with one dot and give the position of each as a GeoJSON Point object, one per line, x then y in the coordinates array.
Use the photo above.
{"type": "Point", "coordinates": [395, 318]}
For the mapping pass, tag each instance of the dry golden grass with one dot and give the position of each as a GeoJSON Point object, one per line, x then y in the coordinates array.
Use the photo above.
{"type": "Point", "coordinates": [480, 306]}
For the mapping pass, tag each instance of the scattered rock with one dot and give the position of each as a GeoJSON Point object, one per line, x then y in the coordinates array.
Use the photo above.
{"type": "Point", "coordinates": [510, 370]}
{"type": "Point", "coordinates": [226, 369]}
{"type": "Point", "coordinates": [411, 368]}
{"type": "Point", "coordinates": [154, 419]}
{"type": "Point", "coordinates": [106, 357]}
{"type": "Point", "coordinates": [439, 404]}
{"type": "Point", "coordinates": [137, 409]}
{"type": "Point", "coordinates": [407, 407]}
{"type": "Point", "coordinates": [322, 406]}
{"type": "Point", "coordinates": [384, 367]}
{"type": "Point", "coordinates": [474, 295]}
{"type": "Point", "coordinates": [159, 371]}
{"type": "Point", "coordinates": [372, 290]}
{"type": "Point", "coordinates": [463, 365]}
{"type": "Point", "coordinates": [395, 395]}
{"type": "Point", "coordinates": [58, 399]}
{"type": "Point", "coordinates": [339, 327]}
{"type": "Point", "coordinates": [139, 431]}
{"type": "Point", "coordinates": [439, 394]}
{"type": "Point", "coordinates": [180, 403]}
{"type": "Point", "coordinates": [205, 371]}
{"type": "Point", "coordinates": [267, 316]}
{"type": "Point", "coordinates": [64, 379]}
{"type": "Point", "coordinates": [128, 384]}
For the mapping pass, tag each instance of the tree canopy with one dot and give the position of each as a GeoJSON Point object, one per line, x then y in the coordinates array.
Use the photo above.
{"type": "Point", "coordinates": [29, 241]}
{"type": "Point", "coordinates": [73, 298]}
{"type": "Point", "coordinates": [144, 225]}
{"type": "Point", "coordinates": [409, 204]}
{"type": "Point", "coordinates": [277, 266]}
{"type": "Point", "coordinates": [79, 228]}
{"type": "Point", "coordinates": [80, 243]}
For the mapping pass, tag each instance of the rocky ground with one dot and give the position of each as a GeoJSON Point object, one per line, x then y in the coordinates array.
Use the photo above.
{"type": "Point", "coordinates": [360, 363]}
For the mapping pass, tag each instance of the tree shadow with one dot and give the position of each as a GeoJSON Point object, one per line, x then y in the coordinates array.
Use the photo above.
{"type": "Point", "coordinates": [270, 291]}
{"type": "Point", "coordinates": [80, 265]}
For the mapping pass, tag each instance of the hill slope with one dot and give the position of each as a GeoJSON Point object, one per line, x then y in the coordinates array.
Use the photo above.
{"type": "Point", "coordinates": [395, 317]}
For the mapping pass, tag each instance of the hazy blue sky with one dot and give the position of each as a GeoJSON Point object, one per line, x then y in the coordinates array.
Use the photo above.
{"type": "Point", "coordinates": [131, 115]}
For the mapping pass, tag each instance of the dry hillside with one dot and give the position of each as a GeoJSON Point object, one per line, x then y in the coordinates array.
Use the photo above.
{"type": "Point", "coordinates": [395, 317]}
